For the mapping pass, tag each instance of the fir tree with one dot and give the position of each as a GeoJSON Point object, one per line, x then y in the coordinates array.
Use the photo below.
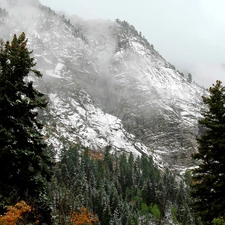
{"type": "Point", "coordinates": [209, 177]}
{"type": "Point", "coordinates": [189, 78]}
{"type": "Point", "coordinates": [24, 163]}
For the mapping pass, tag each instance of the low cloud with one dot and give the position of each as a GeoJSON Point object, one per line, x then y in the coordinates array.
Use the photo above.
{"type": "Point", "coordinates": [207, 74]}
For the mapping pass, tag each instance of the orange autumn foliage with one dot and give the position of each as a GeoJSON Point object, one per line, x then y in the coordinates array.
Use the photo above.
{"type": "Point", "coordinates": [15, 214]}
{"type": "Point", "coordinates": [95, 155]}
{"type": "Point", "coordinates": [83, 217]}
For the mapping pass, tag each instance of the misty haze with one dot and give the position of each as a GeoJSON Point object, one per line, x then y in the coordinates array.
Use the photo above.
{"type": "Point", "coordinates": [122, 118]}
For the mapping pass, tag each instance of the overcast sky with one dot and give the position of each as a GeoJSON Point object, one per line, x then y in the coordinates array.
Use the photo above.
{"type": "Point", "coordinates": [190, 34]}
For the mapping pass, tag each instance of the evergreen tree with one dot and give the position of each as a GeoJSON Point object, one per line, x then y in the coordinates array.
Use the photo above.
{"type": "Point", "coordinates": [189, 78]}
{"type": "Point", "coordinates": [209, 177]}
{"type": "Point", "coordinates": [24, 163]}
{"type": "Point", "coordinates": [106, 216]}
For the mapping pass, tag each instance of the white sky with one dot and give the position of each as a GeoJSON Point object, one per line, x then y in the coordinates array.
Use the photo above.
{"type": "Point", "coordinates": [190, 34]}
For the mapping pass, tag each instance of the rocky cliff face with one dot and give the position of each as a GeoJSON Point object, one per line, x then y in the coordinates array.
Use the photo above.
{"type": "Point", "coordinates": [107, 86]}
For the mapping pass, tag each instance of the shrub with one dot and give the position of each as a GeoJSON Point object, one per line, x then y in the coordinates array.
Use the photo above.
{"type": "Point", "coordinates": [16, 214]}
{"type": "Point", "coordinates": [83, 217]}
{"type": "Point", "coordinates": [218, 221]}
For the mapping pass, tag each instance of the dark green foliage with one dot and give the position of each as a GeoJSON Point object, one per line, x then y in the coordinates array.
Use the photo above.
{"type": "Point", "coordinates": [209, 177]}
{"type": "Point", "coordinates": [119, 189]}
{"type": "Point", "coordinates": [24, 164]}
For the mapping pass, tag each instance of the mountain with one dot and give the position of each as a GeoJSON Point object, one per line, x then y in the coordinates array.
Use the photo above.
{"type": "Point", "coordinates": [107, 86]}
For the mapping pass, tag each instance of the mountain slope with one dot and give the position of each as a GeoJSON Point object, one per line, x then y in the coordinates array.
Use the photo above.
{"type": "Point", "coordinates": [107, 86]}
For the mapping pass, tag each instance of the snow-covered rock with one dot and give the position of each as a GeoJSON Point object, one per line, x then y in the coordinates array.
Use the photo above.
{"type": "Point", "coordinates": [107, 86]}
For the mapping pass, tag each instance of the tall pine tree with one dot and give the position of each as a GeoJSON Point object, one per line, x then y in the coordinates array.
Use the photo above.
{"type": "Point", "coordinates": [208, 186]}
{"type": "Point", "coordinates": [24, 163]}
